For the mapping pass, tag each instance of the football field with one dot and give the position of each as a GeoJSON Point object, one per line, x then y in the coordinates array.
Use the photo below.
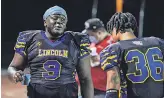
{"type": "Point", "coordinates": [11, 90]}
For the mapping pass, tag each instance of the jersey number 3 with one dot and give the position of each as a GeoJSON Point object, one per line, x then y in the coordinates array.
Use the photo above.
{"type": "Point", "coordinates": [52, 68]}
{"type": "Point", "coordinates": [146, 65]}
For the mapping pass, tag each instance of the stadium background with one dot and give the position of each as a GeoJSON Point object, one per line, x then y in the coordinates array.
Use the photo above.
{"type": "Point", "coordinates": [19, 15]}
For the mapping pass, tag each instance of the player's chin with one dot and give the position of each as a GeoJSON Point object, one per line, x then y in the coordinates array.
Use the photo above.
{"type": "Point", "coordinates": [57, 33]}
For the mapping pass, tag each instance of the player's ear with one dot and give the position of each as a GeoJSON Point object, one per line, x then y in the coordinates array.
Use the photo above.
{"type": "Point", "coordinates": [45, 24]}
{"type": "Point", "coordinates": [99, 33]}
{"type": "Point", "coordinates": [65, 26]}
{"type": "Point", "coordinates": [115, 35]}
{"type": "Point", "coordinates": [119, 33]}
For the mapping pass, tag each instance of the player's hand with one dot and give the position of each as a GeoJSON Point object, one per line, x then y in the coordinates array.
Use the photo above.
{"type": "Point", "coordinates": [18, 76]}
{"type": "Point", "coordinates": [95, 61]}
{"type": "Point", "coordinates": [95, 58]}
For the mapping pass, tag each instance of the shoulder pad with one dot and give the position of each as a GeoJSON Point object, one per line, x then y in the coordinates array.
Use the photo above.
{"type": "Point", "coordinates": [75, 36]}
{"type": "Point", "coordinates": [30, 32]}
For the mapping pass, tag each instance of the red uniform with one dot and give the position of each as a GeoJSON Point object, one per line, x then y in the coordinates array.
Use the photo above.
{"type": "Point", "coordinates": [99, 76]}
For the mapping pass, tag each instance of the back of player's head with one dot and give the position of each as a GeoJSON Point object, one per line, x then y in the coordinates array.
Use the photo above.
{"type": "Point", "coordinates": [54, 10]}
{"type": "Point", "coordinates": [124, 22]}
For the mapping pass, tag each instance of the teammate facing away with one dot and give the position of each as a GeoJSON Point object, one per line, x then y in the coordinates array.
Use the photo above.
{"type": "Point", "coordinates": [137, 62]}
{"type": "Point", "coordinates": [100, 39]}
{"type": "Point", "coordinates": [53, 56]}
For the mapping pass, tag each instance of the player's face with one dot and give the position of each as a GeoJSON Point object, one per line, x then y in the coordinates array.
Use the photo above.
{"type": "Point", "coordinates": [56, 24]}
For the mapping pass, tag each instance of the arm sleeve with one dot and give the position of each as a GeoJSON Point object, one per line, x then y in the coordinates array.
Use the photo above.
{"type": "Point", "coordinates": [84, 46]}
{"type": "Point", "coordinates": [21, 44]}
{"type": "Point", "coordinates": [110, 57]}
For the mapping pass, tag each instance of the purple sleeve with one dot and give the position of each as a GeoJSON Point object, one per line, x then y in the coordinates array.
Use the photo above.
{"type": "Point", "coordinates": [84, 46]}
{"type": "Point", "coordinates": [109, 57]}
{"type": "Point", "coordinates": [20, 46]}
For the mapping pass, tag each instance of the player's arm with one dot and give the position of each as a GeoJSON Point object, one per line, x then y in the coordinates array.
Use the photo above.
{"type": "Point", "coordinates": [16, 67]}
{"type": "Point", "coordinates": [17, 64]}
{"type": "Point", "coordinates": [83, 69]}
{"type": "Point", "coordinates": [113, 78]}
{"type": "Point", "coordinates": [113, 83]}
{"type": "Point", "coordinates": [109, 63]}
{"type": "Point", "coordinates": [84, 75]}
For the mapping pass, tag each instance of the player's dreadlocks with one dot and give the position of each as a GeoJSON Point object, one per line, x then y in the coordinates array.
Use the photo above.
{"type": "Point", "coordinates": [125, 22]}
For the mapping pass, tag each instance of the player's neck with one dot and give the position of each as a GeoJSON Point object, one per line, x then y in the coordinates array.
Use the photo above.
{"type": "Point", "coordinates": [104, 36]}
{"type": "Point", "coordinates": [127, 36]}
{"type": "Point", "coordinates": [50, 37]}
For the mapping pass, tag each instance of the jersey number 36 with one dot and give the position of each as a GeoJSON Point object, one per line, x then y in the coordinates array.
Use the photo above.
{"type": "Point", "coordinates": [147, 65]}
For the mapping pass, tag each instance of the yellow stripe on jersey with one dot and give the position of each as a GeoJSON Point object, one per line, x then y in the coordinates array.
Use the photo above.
{"type": "Point", "coordinates": [85, 44]}
{"type": "Point", "coordinates": [82, 54]}
{"type": "Point", "coordinates": [19, 46]}
{"type": "Point", "coordinates": [108, 58]}
{"type": "Point", "coordinates": [24, 53]}
{"type": "Point", "coordinates": [104, 66]}
{"type": "Point", "coordinates": [115, 61]}
{"type": "Point", "coordinates": [22, 43]}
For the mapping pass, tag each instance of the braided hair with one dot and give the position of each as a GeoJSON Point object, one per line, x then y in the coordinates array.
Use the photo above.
{"type": "Point", "coordinates": [125, 22]}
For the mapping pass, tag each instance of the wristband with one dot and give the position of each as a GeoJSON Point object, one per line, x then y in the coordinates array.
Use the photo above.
{"type": "Point", "coordinates": [112, 93]}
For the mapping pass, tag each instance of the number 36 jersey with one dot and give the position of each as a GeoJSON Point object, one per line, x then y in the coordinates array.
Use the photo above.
{"type": "Point", "coordinates": [141, 64]}
{"type": "Point", "coordinates": [52, 62]}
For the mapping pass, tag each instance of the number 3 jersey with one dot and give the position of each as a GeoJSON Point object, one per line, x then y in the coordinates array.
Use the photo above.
{"type": "Point", "coordinates": [141, 64]}
{"type": "Point", "coordinates": [52, 62]}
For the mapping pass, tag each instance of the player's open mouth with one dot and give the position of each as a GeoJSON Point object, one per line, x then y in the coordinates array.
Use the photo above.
{"type": "Point", "coordinates": [57, 29]}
